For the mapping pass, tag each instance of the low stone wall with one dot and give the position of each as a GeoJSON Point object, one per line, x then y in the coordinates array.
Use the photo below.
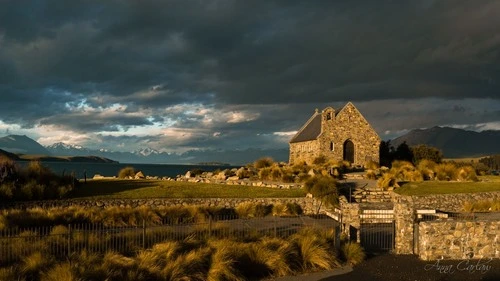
{"type": "Point", "coordinates": [309, 205]}
{"type": "Point", "coordinates": [445, 202]}
{"type": "Point", "coordinates": [459, 240]}
{"type": "Point", "coordinates": [372, 195]}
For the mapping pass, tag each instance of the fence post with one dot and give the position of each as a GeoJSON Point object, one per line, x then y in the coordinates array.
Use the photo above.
{"type": "Point", "coordinates": [69, 240]}
{"type": "Point", "coordinates": [143, 233]}
{"type": "Point", "coordinates": [275, 228]}
{"type": "Point", "coordinates": [210, 225]}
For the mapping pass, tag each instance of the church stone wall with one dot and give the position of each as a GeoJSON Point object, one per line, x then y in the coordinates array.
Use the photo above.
{"type": "Point", "coordinates": [304, 151]}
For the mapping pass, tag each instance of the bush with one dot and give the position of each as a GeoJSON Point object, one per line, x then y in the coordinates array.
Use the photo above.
{"type": "Point", "coordinates": [263, 162]}
{"type": "Point", "coordinates": [126, 172]}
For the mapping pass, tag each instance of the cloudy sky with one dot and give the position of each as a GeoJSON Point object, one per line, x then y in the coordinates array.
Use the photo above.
{"type": "Point", "coordinates": [180, 75]}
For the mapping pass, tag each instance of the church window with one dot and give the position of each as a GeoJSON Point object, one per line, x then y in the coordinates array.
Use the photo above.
{"type": "Point", "coordinates": [332, 146]}
{"type": "Point", "coordinates": [329, 116]}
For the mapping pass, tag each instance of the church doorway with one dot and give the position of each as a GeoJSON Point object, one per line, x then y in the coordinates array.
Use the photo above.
{"type": "Point", "coordinates": [349, 151]}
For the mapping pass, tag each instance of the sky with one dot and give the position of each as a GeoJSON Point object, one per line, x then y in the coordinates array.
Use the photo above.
{"type": "Point", "coordinates": [219, 74]}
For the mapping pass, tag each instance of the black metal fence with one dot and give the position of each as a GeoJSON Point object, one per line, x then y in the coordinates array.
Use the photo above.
{"type": "Point", "coordinates": [377, 230]}
{"type": "Point", "coordinates": [63, 240]}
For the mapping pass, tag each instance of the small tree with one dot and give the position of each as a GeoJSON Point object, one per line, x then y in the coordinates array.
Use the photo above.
{"type": "Point", "coordinates": [422, 151]}
{"type": "Point", "coordinates": [324, 188]}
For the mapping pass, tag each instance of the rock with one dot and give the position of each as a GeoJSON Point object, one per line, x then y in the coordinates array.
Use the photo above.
{"type": "Point", "coordinates": [233, 178]}
{"type": "Point", "coordinates": [188, 174]}
{"type": "Point", "coordinates": [98, 177]}
{"type": "Point", "coordinates": [221, 176]}
{"type": "Point", "coordinates": [139, 175]}
{"type": "Point", "coordinates": [311, 173]}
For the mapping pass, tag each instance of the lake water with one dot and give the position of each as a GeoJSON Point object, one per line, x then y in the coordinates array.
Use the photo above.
{"type": "Point", "coordinates": [112, 169]}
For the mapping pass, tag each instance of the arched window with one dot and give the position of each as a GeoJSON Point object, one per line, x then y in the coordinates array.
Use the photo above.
{"type": "Point", "coordinates": [332, 146]}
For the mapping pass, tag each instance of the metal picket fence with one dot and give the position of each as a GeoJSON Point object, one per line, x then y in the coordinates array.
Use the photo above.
{"type": "Point", "coordinates": [62, 241]}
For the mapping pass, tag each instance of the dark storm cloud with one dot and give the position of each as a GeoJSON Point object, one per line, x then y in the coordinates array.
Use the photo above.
{"type": "Point", "coordinates": [258, 66]}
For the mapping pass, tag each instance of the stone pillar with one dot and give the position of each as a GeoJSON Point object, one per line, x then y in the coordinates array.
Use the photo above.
{"type": "Point", "coordinates": [351, 219]}
{"type": "Point", "coordinates": [404, 216]}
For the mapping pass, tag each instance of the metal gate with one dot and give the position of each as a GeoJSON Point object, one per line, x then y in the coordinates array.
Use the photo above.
{"type": "Point", "coordinates": [377, 230]}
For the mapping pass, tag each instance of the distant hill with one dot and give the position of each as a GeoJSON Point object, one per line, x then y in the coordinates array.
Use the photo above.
{"type": "Point", "coordinates": [8, 155]}
{"type": "Point", "coordinates": [455, 143]}
{"type": "Point", "coordinates": [22, 145]}
{"type": "Point", "coordinates": [85, 159]}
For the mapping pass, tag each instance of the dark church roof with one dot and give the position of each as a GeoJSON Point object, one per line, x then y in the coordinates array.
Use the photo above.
{"type": "Point", "coordinates": [310, 131]}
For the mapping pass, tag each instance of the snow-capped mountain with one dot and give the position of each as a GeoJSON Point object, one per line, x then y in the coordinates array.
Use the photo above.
{"type": "Point", "coordinates": [61, 148]}
{"type": "Point", "coordinates": [146, 151]}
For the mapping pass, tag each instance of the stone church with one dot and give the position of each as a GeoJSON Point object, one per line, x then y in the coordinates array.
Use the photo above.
{"type": "Point", "coordinates": [342, 135]}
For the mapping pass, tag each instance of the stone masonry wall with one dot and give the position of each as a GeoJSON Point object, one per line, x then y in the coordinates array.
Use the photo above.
{"type": "Point", "coordinates": [309, 205]}
{"type": "Point", "coordinates": [304, 151]}
{"type": "Point", "coordinates": [447, 202]}
{"type": "Point", "coordinates": [459, 240]}
{"type": "Point", "coordinates": [349, 124]}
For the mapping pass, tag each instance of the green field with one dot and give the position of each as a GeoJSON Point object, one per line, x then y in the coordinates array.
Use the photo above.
{"type": "Point", "coordinates": [136, 189]}
{"type": "Point", "coordinates": [486, 184]}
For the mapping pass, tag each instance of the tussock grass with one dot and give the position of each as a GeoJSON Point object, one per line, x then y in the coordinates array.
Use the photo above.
{"type": "Point", "coordinates": [353, 253]}
{"type": "Point", "coordinates": [60, 272]}
{"type": "Point", "coordinates": [188, 259]}
{"type": "Point", "coordinates": [482, 206]}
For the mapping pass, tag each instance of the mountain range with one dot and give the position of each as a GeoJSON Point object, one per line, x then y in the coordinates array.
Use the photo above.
{"type": "Point", "coordinates": [24, 145]}
{"type": "Point", "coordinates": [455, 143]}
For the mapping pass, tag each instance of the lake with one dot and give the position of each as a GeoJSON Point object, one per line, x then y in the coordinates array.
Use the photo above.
{"type": "Point", "coordinates": [112, 169]}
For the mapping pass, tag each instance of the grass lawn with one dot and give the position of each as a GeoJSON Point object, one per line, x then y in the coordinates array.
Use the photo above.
{"type": "Point", "coordinates": [486, 184]}
{"type": "Point", "coordinates": [135, 189]}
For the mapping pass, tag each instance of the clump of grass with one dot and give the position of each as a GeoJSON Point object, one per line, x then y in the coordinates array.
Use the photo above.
{"type": "Point", "coordinates": [467, 173]}
{"type": "Point", "coordinates": [353, 253]}
{"type": "Point", "coordinates": [481, 206]}
{"type": "Point", "coordinates": [263, 162]}
{"type": "Point", "coordinates": [60, 272]}
{"type": "Point", "coordinates": [126, 172]}
{"type": "Point", "coordinates": [312, 252]}
{"type": "Point", "coordinates": [34, 265]}
{"type": "Point", "coordinates": [246, 210]}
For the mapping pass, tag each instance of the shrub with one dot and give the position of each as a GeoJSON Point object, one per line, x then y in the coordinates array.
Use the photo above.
{"type": "Point", "coordinates": [353, 253]}
{"type": "Point", "coordinates": [126, 172]}
{"type": "Point", "coordinates": [263, 162]}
